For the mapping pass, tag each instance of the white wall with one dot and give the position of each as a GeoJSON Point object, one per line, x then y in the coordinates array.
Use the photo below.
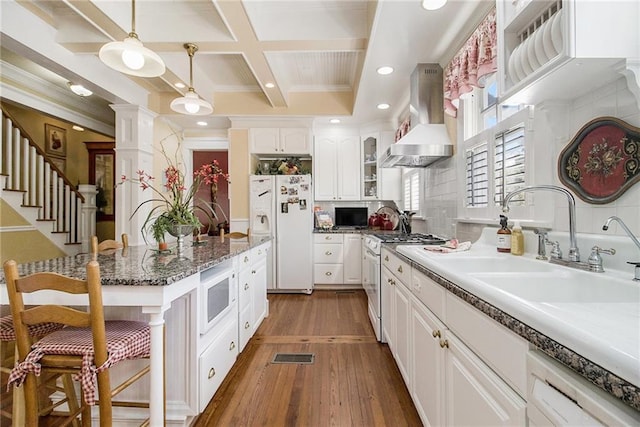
{"type": "Point", "coordinates": [555, 125]}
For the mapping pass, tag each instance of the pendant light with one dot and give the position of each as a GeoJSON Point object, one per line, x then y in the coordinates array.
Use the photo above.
{"type": "Point", "coordinates": [191, 103]}
{"type": "Point", "coordinates": [130, 56]}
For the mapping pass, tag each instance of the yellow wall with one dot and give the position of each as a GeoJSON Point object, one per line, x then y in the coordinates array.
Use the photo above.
{"type": "Point", "coordinates": [23, 246]}
{"type": "Point", "coordinates": [239, 173]}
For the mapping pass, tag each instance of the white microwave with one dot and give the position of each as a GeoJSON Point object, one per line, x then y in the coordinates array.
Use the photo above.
{"type": "Point", "coordinates": [216, 294]}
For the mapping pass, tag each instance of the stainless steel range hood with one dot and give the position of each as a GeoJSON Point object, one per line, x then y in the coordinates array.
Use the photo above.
{"type": "Point", "coordinates": [427, 141]}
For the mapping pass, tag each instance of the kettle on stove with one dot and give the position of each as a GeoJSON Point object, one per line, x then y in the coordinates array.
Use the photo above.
{"type": "Point", "coordinates": [405, 221]}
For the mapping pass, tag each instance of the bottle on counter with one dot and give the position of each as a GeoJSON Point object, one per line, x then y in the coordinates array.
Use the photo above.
{"type": "Point", "coordinates": [504, 236]}
{"type": "Point", "coordinates": [517, 240]}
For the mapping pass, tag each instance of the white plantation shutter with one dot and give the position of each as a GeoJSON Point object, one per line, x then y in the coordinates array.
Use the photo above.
{"type": "Point", "coordinates": [509, 165]}
{"type": "Point", "coordinates": [411, 187]}
{"type": "Point", "coordinates": [477, 176]}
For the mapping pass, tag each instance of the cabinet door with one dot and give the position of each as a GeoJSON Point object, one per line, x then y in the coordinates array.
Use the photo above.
{"type": "Point", "coordinates": [389, 179]}
{"type": "Point", "coordinates": [349, 176]}
{"type": "Point", "coordinates": [476, 396]}
{"type": "Point", "coordinates": [264, 140]}
{"type": "Point", "coordinates": [427, 365]}
{"type": "Point", "coordinates": [259, 290]}
{"type": "Point", "coordinates": [325, 168]}
{"type": "Point", "coordinates": [402, 311]}
{"type": "Point", "coordinates": [370, 188]}
{"type": "Point", "coordinates": [352, 259]}
{"type": "Point", "coordinates": [295, 141]}
{"type": "Point", "coordinates": [386, 311]}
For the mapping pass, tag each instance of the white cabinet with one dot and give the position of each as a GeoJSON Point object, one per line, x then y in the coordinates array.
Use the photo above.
{"type": "Point", "coordinates": [259, 281]}
{"type": "Point", "coordinates": [352, 259]}
{"type": "Point", "coordinates": [337, 259]}
{"type": "Point", "coordinates": [280, 141]}
{"type": "Point", "coordinates": [557, 49]}
{"type": "Point", "coordinates": [379, 183]}
{"type": "Point", "coordinates": [336, 165]}
{"type": "Point", "coordinates": [252, 292]}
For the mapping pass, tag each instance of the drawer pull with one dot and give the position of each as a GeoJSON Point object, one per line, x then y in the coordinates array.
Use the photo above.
{"type": "Point", "coordinates": [327, 238]}
{"type": "Point", "coordinates": [328, 273]}
{"type": "Point", "coordinates": [246, 259]}
{"type": "Point", "coordinates": [246, 286]}
{"type": "Point", "coordinates": [247, 325]}
{"type": "Point", "coordinates": [436, 334]}
{"type": "Point", "coordinates": [327, 253]}
{"type": "Point", "coordinates": [389, 281]}
{"type": "Point", "coordinates": [212, 373]}
{"type": "Point", "coordinates": [444, 343]}
{"type": "Point", "coordinates": [232, 345]}
{"type": "Point", "coordinates": [399, 269]}
{"type": "Point", "coordinates": [386, 257]}
{"type": "Point", "coordinates": [260, 252]}
{"type": "Point", "coordinates": [253, 272]}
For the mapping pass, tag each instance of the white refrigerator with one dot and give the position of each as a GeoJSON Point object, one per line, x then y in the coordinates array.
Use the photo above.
{"type": "Point", "coordinates": [282, 206]}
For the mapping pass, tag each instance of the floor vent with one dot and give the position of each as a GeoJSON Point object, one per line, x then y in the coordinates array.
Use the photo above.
{"type": "Point", "coordinates": [297, 358]}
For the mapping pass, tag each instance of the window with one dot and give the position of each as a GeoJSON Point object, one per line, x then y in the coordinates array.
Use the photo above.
{"type": "Point", "coordinates": [477, 174]}
{"type": "Point", "coordinates": [411, 189]}
{"type": "Point", "coordinates": [509, 165]}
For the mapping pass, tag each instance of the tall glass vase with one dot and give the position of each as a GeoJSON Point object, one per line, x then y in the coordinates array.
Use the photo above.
{"type": "Point", "coordinates": [179, 231]}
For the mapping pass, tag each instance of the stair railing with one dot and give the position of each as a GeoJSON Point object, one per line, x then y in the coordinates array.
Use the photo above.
{"type": "Point", "coordinates": [44, 185]}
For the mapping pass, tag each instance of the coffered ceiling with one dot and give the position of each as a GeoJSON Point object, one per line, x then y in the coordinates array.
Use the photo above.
{"type": "Point", "coordinates": [321, 55]}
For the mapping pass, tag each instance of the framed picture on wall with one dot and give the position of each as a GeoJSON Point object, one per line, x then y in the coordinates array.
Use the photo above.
{"type": "Point", "coordinates": [55, 140]}
{"type": "Point", "coordinates": [102, 168]}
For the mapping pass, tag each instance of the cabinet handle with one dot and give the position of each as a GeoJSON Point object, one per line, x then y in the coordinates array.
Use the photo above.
{"type": "Point", "coordinates": [246, 259]}
{"type": "Point", "coordinates": [444, 344]}
{"type": "Point", "coordinates": [436, 334]}
{"type": "Point", "coordinates": [327, 253]}
{"type": "Point", "coordinates": [232, 345]}
{"type": "Point", "coordinates": [399, 269]}
{"type": "Point", "coordinates": [327, 238]}
{"type": "Point", "coordinates": [246, 286]}
{"type": "Point", "coordinates": [212, 372]}
{"type": "Point", "coordinates": [386, 257]}
{"type": "Point", "coordinates": [260, 252]}
{"type": "Point", "coordinates": [247, 325]}
{"type": "Point", "coordinates": [253, 272]}
{"type": "Point", "coordinates": [328, 273]}
{"type": "Point", "coordinates": [389, 281]}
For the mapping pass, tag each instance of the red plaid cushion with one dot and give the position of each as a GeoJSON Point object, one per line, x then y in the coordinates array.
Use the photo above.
{"type": "Point", "coordinates": [7, 332]}
{"type": "Point", "coordinates": [125, 340]}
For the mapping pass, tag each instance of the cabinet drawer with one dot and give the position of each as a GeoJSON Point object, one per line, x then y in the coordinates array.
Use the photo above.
{"type": "Point", "coordinates": [327, 238]}
{"type": "Point", "coordinates": [216, 361]}
{"type": "Point", "coordinates": [501, 349]}
{"type": "Point", "coordinates": [327, 253]}
{"type": "Point", "coordinates": [245, 326]}
{"type": "Point", "coordinates": [399, 267]}
{"type": "Point", "coordinates": [429, 293]}
{"type": "Point", "coordinates": [327, 274]}
{"type": "Point", "coordinates": [260, 251]}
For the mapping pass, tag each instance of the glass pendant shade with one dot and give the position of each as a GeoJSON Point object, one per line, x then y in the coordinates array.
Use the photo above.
{"type": "Point", "coordinates": [191, 103]}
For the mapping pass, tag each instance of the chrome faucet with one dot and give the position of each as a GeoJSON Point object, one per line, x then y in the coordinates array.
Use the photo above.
{"type": "Point", "coordinates": [633, 238]}
{"type": "Point", "coordinates": [574, 253]}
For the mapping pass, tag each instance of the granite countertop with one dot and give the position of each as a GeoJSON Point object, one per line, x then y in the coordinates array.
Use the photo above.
{"type": "Point", "coordinates": [353, 230]}
{"type": "Point", "coordinates": [144, 266]}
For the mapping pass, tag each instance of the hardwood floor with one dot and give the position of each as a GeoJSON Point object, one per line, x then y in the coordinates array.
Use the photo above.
{"type": "Point", "coordinates": [353, 381]}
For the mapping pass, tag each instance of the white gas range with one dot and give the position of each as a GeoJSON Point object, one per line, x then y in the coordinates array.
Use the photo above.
{"type": "Point", "coordinates": [371, 245]}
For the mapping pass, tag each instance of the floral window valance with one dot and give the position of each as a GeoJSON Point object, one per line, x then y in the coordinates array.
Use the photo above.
{"type": "Point", "coordinates": [475, 60]}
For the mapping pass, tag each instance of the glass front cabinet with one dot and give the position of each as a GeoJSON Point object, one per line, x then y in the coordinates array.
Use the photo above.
{"type": "Point", "coordinates": [370, 187]}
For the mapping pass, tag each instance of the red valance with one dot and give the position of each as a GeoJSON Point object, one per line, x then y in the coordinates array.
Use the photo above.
{"type": "Point", "coordinates": [476, 59]}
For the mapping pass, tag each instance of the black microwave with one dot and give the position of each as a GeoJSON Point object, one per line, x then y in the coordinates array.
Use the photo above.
{"type": "Point", "coordinates": [351, 217]}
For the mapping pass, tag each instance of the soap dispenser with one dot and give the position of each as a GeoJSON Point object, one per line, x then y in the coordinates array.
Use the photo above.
{"type": "Point", "coordinates": [517, 240]}
{"type": "Point", "coordinates": [503, 241]}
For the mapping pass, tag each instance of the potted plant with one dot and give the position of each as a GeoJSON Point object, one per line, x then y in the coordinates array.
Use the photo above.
{"type": "Point", "coordinates": [158, 229]}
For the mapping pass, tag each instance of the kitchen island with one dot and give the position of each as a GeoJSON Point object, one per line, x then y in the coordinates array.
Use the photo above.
{"type": "Point", "coordinates": [140, 282]}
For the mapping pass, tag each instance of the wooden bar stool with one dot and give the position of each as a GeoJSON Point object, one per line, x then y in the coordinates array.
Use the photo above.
{"type": "Point", "coordinates": [233, 235]}
{"type": "Point", "coordinates": [87, 347]}
{"type": "Point", "coordinates": [108, 244]}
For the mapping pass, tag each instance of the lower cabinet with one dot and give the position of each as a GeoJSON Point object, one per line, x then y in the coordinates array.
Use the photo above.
{"type": "Point", "coordinates": [337, 259]}
{"type": "Point", "coordinates": [216, 360]}
{"type": "Point", "coordinates": [252, 289]}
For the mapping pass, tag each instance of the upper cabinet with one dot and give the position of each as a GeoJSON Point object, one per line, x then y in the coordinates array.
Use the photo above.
{"type": "Point", "coordinates": [378, 183]}
{"type": "Point", "coordinates": [280, 141]}
{"type": "Point", "coordinates": [336, 168]}
{"type": "Point", "coordinates": [558, 49]}
{"type": "Point", "coordinates": [370, 167]}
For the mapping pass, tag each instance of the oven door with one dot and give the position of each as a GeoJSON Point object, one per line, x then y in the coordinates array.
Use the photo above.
{"type": "Point", "coordinates": [371, 284]}
{"type": "Point", "coordinates": [216, 296]}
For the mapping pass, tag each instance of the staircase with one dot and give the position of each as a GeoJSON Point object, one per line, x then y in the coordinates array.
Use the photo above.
{"type": "Point", "coordinates": [33, 186]}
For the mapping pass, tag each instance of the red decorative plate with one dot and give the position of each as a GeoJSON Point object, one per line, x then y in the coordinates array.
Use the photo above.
{"type": "Point", "coordinates": [602, 161]}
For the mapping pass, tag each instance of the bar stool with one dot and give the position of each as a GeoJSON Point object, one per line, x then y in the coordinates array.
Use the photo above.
{"type": "Point", "coordinates": [233, 235]}
{"type": "Point", "coordinates": [108, 244]}
{"type": "Point", "coordinates": [87, 347]}
{"type": "Point", "coordinates": [8, 342]}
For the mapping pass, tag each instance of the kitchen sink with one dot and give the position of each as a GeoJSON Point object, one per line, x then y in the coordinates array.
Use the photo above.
{"type": "Point", "coordinates": [562, 287]}
{"type": "Point", "coordinates": [511, 264]}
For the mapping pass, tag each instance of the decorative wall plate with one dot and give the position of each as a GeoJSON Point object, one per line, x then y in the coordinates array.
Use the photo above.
{"type": "Point", "coordinates": [602, 161]}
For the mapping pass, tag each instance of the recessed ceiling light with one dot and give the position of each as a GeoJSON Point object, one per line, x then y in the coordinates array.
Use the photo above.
{"type": "Point", "coordinates": [202, 123]}
{"type": "Point", "coordinates": [269, 85]}
{"type": "Point", "coordinates": [334, 121]}
{"type": "Point", "coordinates": [180, 85]}
{"type": "Point", "coordinates": [433, 4]}
{"type": "Point", "coordinates": [78, 128]}
{"type": "Point", "coordinates": [385, 70]}
{"type": "Point", "coordinates": [383, 106]}
{"type": "Point", "coordinates": [79, 89]}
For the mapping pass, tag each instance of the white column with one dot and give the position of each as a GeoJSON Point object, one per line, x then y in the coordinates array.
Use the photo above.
{"type": "Point", "coordinates": [134, 151]}
{"type": "Point", "coordinates": [87, 226]}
